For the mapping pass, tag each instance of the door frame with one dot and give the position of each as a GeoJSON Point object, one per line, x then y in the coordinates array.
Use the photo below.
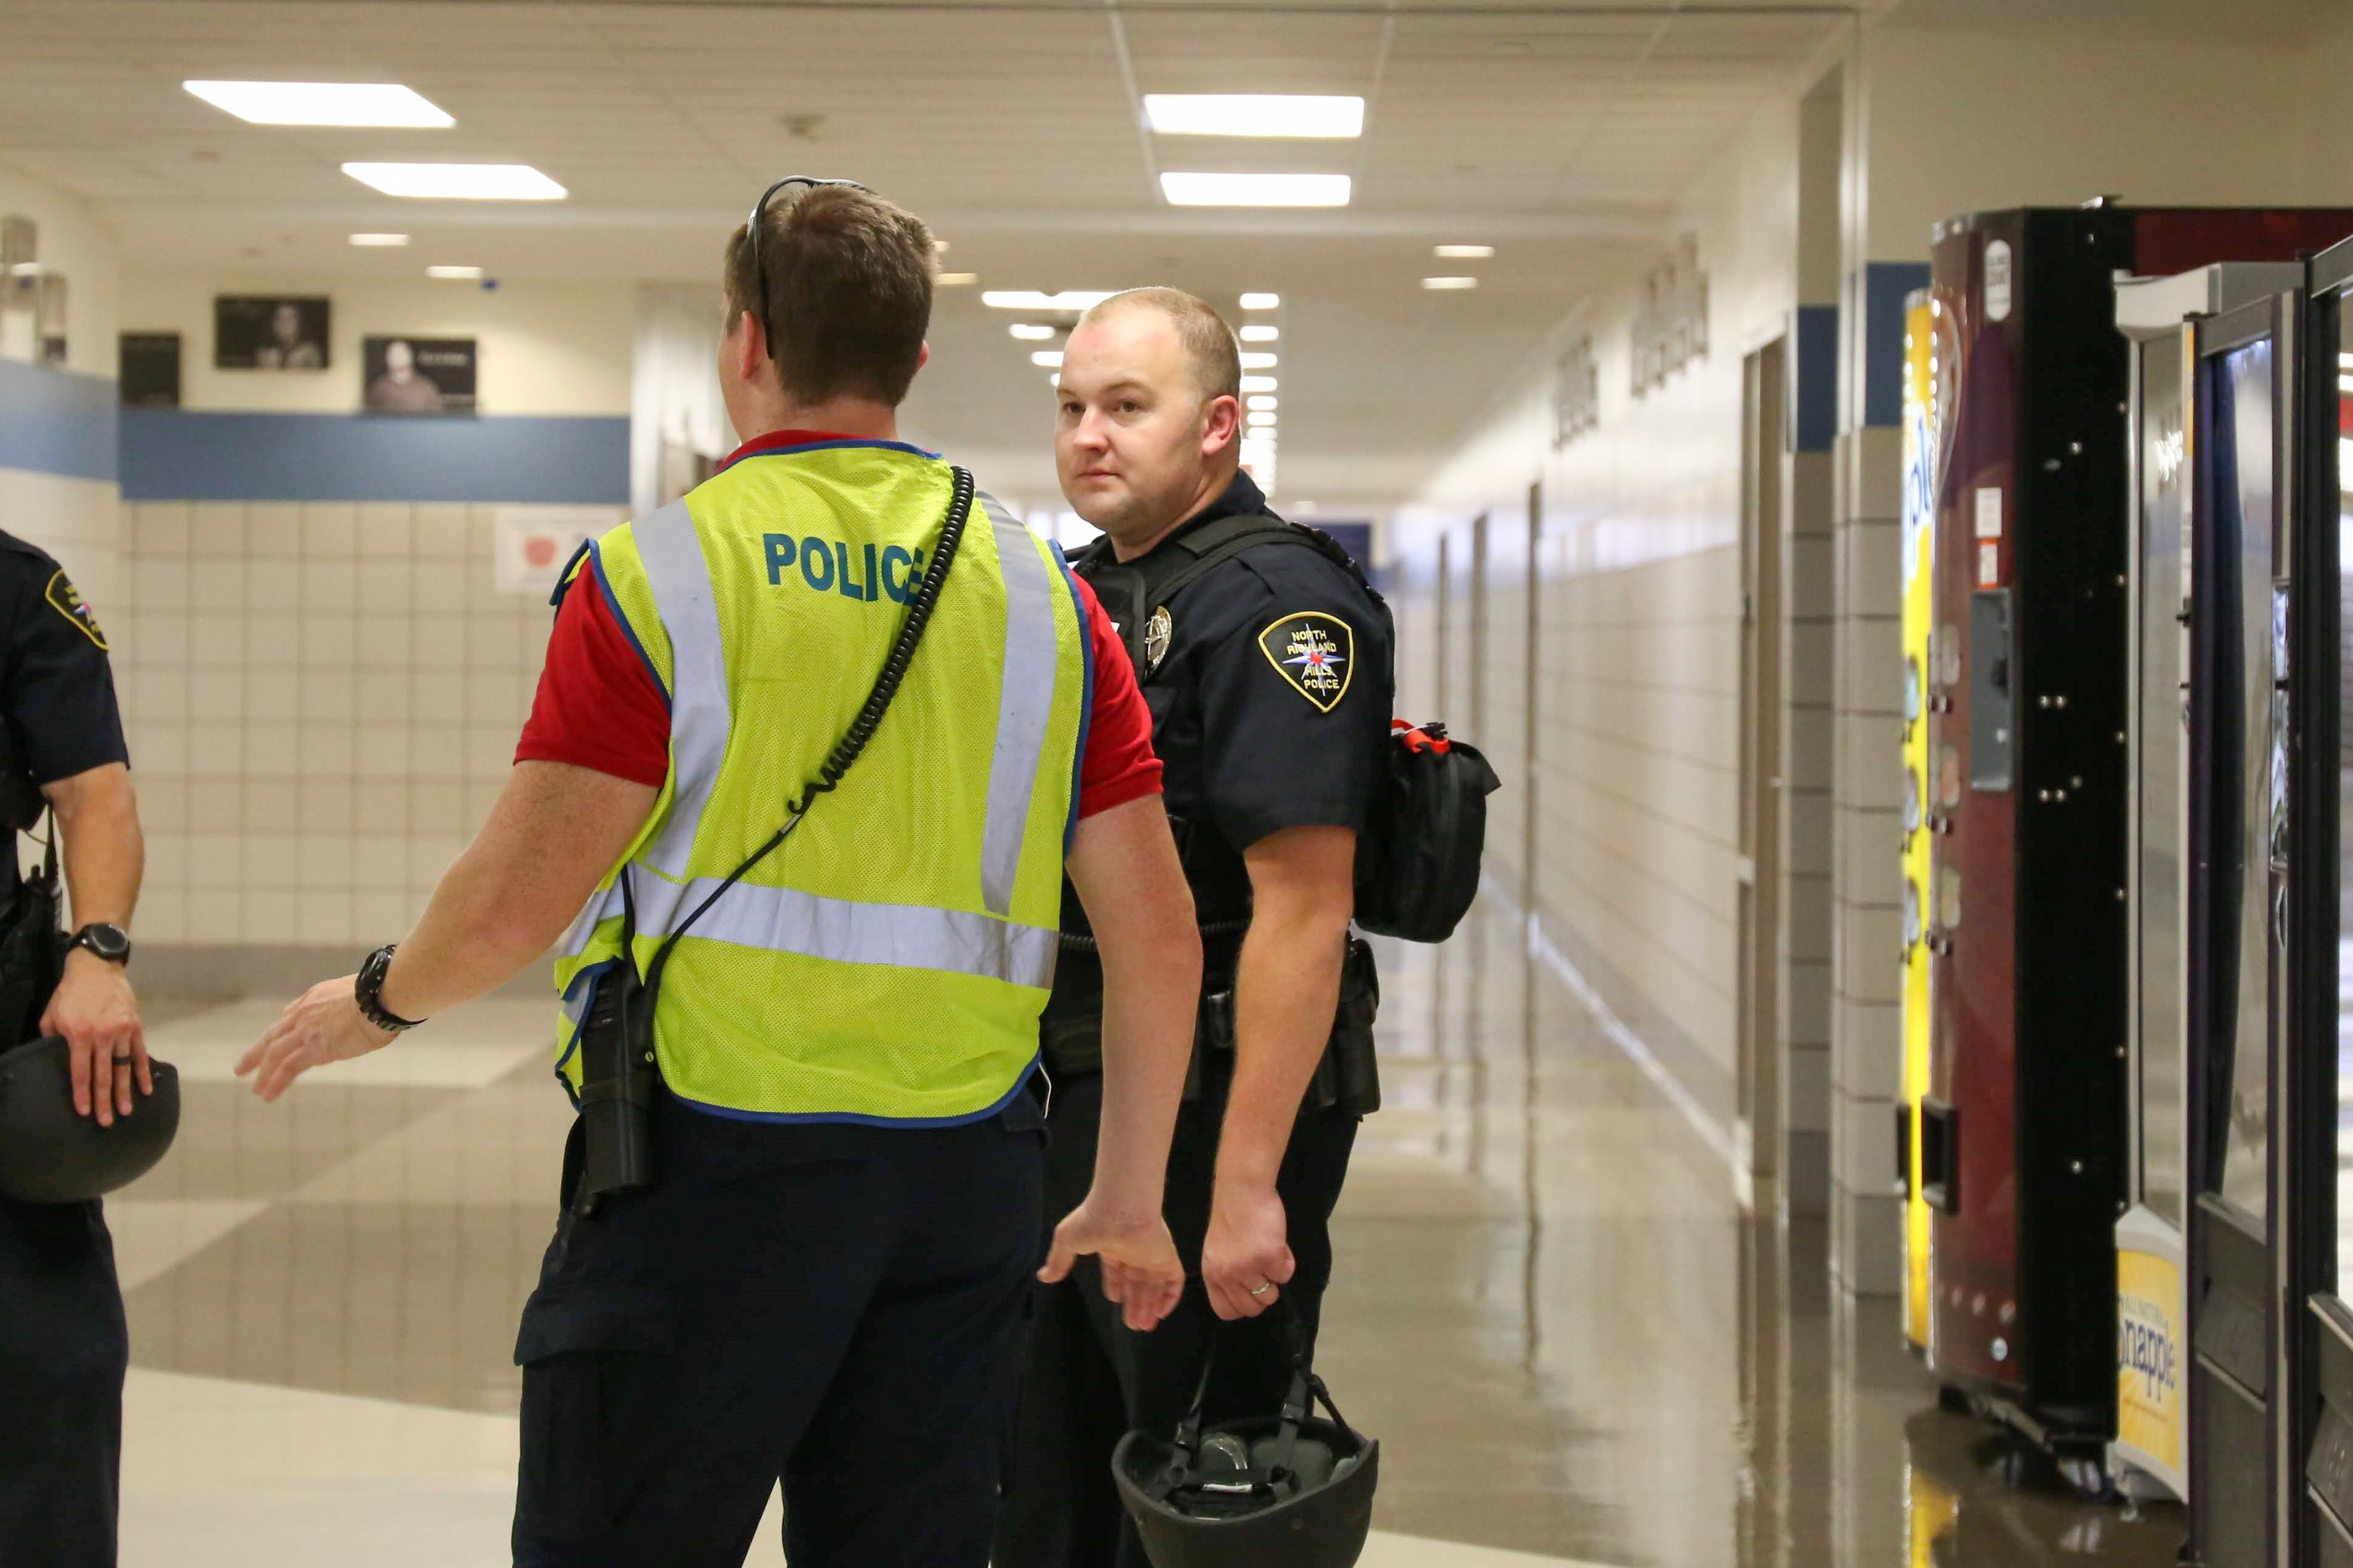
{"type": "Point", "coordinates": [1764, 504]}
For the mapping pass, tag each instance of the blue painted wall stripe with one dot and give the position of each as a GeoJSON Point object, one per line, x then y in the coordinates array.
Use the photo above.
{"type": "Point", "coordinates": [1885, 285]}
{"type": "Point", "coordinates": [1814, 412]}
{"type": "Point", "coordinates": [57, 422]}
{"type": "Point", "coordinates": [171, 454]}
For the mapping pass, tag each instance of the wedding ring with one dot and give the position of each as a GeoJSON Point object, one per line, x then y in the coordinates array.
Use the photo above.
{"type": "Point", "coordinates": [1263, 1290]}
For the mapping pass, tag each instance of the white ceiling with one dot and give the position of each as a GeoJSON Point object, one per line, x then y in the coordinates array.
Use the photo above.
{"type": "Point", "coordinates": [1559, 134]}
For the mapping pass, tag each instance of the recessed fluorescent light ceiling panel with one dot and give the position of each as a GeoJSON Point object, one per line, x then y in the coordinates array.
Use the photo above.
{"type": "Point", "coordinates": [1032, 332]}
{"type": "Point", "coordinates": [1255, 190]}
{"type": "Point", "coordinates": [453, 272]}
{"type": "Point", "coordinates": [1464, 252]}
{"type": "Point", "coordinates": [371, 103]}
{"type": "Point", "coordinates": [1253, 114]}
{"type": "Point", "coordinates": [1258, 362]}
{"type": "Point", "coordinates": [1261, 421]}
{"type": "Point", "coordinates": [1258, 384]}
{"type": "Point", "coordinates": [459, 181]}
{"type": "Point", "coordinates": [1051, 358]}
{"type": "Point", "coordinates": [1260, 301]}
{"type": "Point", "coordinates": [956, 279]}
{"type": "Point", "coordinates": [379, 240]}
{"type": "Point", "coordinates": [1262, 404]}
{"type": "Point", "coordinates": [1258, 332]}
{"type": "Point", "coordinates": [1444, 283]}
{"type": "Point", "coordinates": [1031, 299]}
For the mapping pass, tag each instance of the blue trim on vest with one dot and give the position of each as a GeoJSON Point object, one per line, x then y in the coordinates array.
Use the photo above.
{"type": "Point", "coordinates": [844, 443]}
{"type": "Point", "coordinates": [1086, 691]}
{"type": "Point", "coordinates": [592, 974]}
{"type": "Point", "coordinates": [851, 1119]}
{"type": "Point", "coordinates": [563, 578]}
{"type": "Point", "coordinates": [596, 563]}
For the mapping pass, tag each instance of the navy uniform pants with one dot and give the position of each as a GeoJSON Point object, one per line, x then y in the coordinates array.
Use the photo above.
{"type": "Point", "coordinates": [1088, 1377]}
{"type": "Point", "coordinates": [63, 1349]}
{"type": "Point", "coordinates": [839, 1307]}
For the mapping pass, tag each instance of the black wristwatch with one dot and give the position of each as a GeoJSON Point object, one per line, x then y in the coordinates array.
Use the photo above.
{"type": "Point", "coordinates": [369, 991]}
{"type": "Point", "coordinates": [111, 943]}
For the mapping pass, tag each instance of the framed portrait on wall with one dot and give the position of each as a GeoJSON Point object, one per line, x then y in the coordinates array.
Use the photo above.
{"type": "Point", "coordinates": [253, 331]}
{"type": "Point", "coordinates": [418, 375]}
{"type": "Point", "coordinates": [151, 369]}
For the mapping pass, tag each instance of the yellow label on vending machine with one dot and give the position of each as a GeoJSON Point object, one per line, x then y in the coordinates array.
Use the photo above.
{"type": "Point", "coordinates": [1919, 612]}
{"type": "Point", "coordinates": [2148, 1359]}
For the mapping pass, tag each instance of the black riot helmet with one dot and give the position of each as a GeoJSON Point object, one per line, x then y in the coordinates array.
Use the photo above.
{"type": "Point", "coordinates": [1287, 1491]}
{"type": "Point", "coordinates": [50, 1153]}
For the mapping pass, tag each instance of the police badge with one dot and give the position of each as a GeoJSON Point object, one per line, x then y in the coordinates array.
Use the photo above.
{"type": "Point", "coordinates": [1313, 651]}
{"type": "Point", "coordinates": [1156, 633]}
{"type": "Point", "coordinates": [66, 600]}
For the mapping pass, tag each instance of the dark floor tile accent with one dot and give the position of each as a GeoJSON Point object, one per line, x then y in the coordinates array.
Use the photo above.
{"type": "Point", "coordinates": [231, 1145]}
{"type": "Point", "coordinates": [389, 1301]}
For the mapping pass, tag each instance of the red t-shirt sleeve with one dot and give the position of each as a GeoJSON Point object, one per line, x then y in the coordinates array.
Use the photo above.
{"type": "Point", "coordinates": [599, 705]}
{"type": "Point", "coordinates": [1119, 765]}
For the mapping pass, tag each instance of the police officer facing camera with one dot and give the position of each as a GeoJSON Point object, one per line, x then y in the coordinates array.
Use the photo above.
{"type": "Point", "coordinates": [807, 951]}
{"type": "Point", "coordinates": [1266, 665]}
{"type": "Point", "coordinates": [63, 1344]}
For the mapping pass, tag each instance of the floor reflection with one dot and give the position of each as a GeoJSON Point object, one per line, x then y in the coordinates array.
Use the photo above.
{"type": "Point", "coordinates": [1570, 1340]}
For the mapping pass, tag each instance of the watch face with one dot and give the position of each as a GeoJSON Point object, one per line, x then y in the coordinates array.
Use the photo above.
{"type": "Point", "coordinates": [107, 941]}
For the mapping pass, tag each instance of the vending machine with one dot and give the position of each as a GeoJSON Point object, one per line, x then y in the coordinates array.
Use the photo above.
{"type": "Point", "coordinates": [2159, 317]}
{"type": "Point", "coordinates": [2023, 1143]}
{"type": "Point", "coordinates": [1919, 508]}
{"type": "Point", "coordinates": [2313, 1424]}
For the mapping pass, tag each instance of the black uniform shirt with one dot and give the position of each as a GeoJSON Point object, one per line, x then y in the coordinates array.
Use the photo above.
{"type": "Point", "coordinates": [1268, 708]}
{"type": "Point", "coordinates": [57, 690]}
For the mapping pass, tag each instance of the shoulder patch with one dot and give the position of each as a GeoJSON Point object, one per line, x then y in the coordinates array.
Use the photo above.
{"type": "Point", "coordinates": [66, 600]}
{"type": "Point", "coordinates": [1314, 652]}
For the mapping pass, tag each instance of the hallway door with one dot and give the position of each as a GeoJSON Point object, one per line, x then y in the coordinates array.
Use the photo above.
{"type": "Point", "coordinates": [1764, 473]}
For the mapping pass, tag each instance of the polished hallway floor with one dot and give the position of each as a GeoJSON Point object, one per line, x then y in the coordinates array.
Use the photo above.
{"type": "Point", "coordinates": [1573, 1345]}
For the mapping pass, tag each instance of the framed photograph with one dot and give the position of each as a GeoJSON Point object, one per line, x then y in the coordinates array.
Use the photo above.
{"type": "Point", "coordinates": [151, 369]}
{"type": "Point", "coordinates": [418, 375]}
{"type": "Point", "coordinates": [254, 331]}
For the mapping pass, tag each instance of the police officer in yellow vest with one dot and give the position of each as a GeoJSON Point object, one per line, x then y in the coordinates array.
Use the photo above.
{"type": "Point", "coordinates": [815, 1265]}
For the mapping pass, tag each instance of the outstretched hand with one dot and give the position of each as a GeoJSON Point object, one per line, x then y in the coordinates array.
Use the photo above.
{"type": "Point", "coordinates": [1141, 1270]}
{"type": "Point", "coordinates": [323, 1024]}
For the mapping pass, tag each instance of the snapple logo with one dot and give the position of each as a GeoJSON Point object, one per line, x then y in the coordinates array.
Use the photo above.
{"type": "Point", "coordinates": [2145, 1349]}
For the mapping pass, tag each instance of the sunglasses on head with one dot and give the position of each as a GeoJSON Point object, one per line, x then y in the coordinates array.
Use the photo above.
{"type": "Point", "coordinates": [752, 239]}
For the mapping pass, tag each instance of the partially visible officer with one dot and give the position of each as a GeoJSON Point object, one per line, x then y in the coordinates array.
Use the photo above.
{"type": "Point", "coordinates": [827, 1278]}
{"type": "Point", "coordinates": [63, 1344]}
{"type": "Point", "coordinates": [1269, 681]}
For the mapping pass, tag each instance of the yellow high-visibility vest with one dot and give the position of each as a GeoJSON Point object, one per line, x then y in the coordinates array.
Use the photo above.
{"type": "Point", "coordinates": [889, 961]}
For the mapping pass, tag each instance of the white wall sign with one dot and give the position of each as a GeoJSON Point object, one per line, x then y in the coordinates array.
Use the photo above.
{"type": "Point", "coordinates": [533, 544]}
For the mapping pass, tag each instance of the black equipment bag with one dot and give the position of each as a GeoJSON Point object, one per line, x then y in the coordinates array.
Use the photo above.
{"type": "Point", "coordinates": [1418, 869]}
{"type": "Point", "coordinates": [1418, 859]}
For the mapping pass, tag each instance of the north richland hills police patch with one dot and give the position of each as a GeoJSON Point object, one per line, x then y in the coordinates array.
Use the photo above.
{"type": "Point", "coordinates": [1314, 652]}
{"type": "Point", "coordinates": [66, 600]}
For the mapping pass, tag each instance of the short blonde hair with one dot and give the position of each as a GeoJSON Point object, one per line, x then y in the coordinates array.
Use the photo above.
{"type": "Point", "coordinates": [1210, 345]}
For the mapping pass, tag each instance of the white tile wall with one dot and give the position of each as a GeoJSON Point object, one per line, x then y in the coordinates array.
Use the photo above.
{"type": "Point", "coordinates": [322, 701]}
